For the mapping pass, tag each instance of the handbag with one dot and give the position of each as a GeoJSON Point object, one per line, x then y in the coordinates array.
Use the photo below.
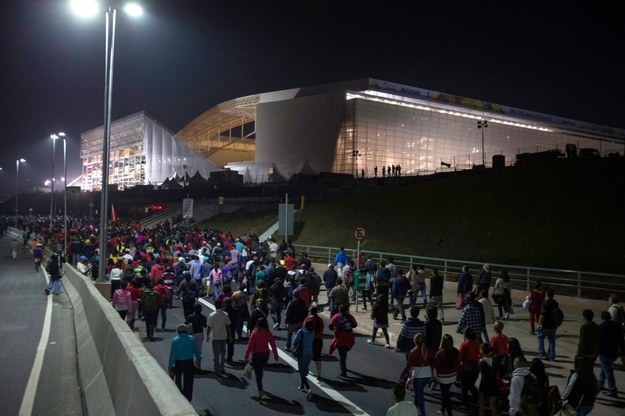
{"type": "Point", "coordinates": [569, 410]}
{"type": "Point", "coordinates": [459, 302]}
{"type": "Point", "coordinates": [247, 370]}
{"type": "Point", "coordinates": [414, 372]}
{"type": "Point", "coordinates": [498, 291]}
{"type": "Point", "coordinates": [527, 303]}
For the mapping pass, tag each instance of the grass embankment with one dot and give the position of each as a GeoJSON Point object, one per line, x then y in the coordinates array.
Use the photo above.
{"type": "Point", "coordinates": [565, 215]}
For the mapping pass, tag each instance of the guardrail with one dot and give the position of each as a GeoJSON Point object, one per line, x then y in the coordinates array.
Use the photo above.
{"type": "Point", "coordinates": [582, 284]}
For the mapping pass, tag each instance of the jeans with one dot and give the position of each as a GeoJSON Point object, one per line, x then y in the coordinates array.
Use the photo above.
{"type": "Point", "coordinates": [199, 340]}
{"type": "Point", "coordinates": [467, 383]}
{"type": "Point", "coordinates": [584, 410]}
{"type": "Point", "coordinates": [421, 289]}
{"type": "Point", "coordinates": [419, 398]}
{"type": "Point", "coordinates": [550, 334]}
{"type": "Point", "coordinates": [276, 311]}
{"type": "Point", "coordinates": [439, 303]}
{"type": "Point", "coordinates": [607, 372]}
{"type": "Point", "coordinates": [54, 284]}
{"type": "Point", "coordinates": [219, 355]}
{"type": "Point", "coordinates": [302, 367]}
{"type": "Point", "coordinates": [216, 290]}
{"type": "Point", "coordinates": [399, 308]}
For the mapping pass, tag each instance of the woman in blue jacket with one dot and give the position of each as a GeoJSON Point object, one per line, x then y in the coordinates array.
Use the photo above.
{"type": "Point", "coordinates": [303, 341]}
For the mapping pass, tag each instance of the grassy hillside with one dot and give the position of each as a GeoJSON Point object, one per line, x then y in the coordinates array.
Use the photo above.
{"type": "Point", "coordinates": [569, 214]}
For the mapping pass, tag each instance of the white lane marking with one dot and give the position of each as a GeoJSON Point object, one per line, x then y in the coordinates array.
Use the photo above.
{"type": "Point", "coordinates": [333, 394]}
{"type": "Point", "coordinates": [28, 400]}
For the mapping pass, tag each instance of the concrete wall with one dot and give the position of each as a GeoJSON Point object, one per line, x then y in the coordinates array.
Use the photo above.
{"type": "Point", "coordinates": [117, 373]}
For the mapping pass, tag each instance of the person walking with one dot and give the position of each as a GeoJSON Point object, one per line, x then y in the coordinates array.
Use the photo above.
{"type": "Point", "coordinates": [488, 391]}
{"type": "Point", "coordinates": [469, 369]}
{"type": "Point", "coordinates": [339, 296]}
{"type": "Point", "coordinates": [501, 295]}
{"type": "Point", "coordinates": [196, 322]}
{"type": "Point", "coordinates": [436, 292]}
{"type": "Point", "coordinates": [411, 327]}
{"type": "Point", "coordinates": [150, 302]}
{"type": "Point", "coordinates": [379, 314]}
{"type": "Point", "coordinates": [399, 290]}
{"type": "Point", "coordinates": [234, 316]}
{"type": "Point", "coordinates": [401, 406]}
{"type": "Point", "coordinates": [589, 334]}
{"type": "Point", "coordinates": [54, 272]}
{"type": "Point", "coordinates": [165, 298]}
{"type": "Point", "coordinates": [465, 282]}
{"type": "Point", "coordinates": [484, 279]}
{"type": "Point", "coordinates": [547, 326]}
{"type": "Point", "coordinates": [418, 369]}
{"type": "Point", "coordinates": [329, 279]}
{"type": "Point", "coordinates": [581, 388]}
{"type": "Point", "coordinates": [219, 331]}
{"type": "Point", "coordinates": [295, 314]}
{"type": "Point", "coordinates": [343, 324]}
{"type": "Point", "coordinates": [471, 317]}
{"type": "Point", "coordinates": [340, 260]}
{"type": "Point", "coordinates": [258, 345]}
{"type": "Point", "coordinates": [181, 365]}
{"type": "Point", "coordinates": [317, 345]}
{"type": "Point", "coordinates": [305, 337]}
{"type": "Point", "coordinates": [446, 364]}
{"type": "Point", "coordinates": [188, 291]}
{"type": "Point", "coordinates": [433, 329]}
{"type": "Point", "coordinates": [536, 297]}
{"type": "Point", "coordinates": [611, 346]}
{"type": "Point", "coordinates": [122, 302]}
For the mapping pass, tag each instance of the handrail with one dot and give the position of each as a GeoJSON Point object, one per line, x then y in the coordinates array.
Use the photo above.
{"type": "Point", "coordinates": [592, 285]}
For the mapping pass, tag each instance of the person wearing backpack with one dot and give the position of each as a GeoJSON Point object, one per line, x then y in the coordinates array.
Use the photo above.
{"type": "Point", "coordinates": [303, 339]}
{"type": "Point", "coordinates": [617, 312]}
{"type": "Point", "coordinates": [581, 387]}
{"type": "Point", "coordinates": [547, 326]}
{"type": "Point", "coordinates": [150, 302]}
{"type": "Point", "coordinates": [517, 384]}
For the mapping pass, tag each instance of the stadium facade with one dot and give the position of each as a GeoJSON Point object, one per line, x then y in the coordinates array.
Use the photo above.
{"type": "Point", "coordinates": [355, 127]}
{"type": "Point", "coordinates": [143, 152]}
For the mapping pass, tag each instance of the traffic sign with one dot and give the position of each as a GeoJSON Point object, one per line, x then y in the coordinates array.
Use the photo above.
{"type": "Point", "coordinates": [359, 233]}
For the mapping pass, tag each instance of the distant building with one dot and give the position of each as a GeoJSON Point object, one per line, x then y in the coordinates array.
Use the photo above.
{"type": "Point", "coordinates": [368, 126]}
{"type": "Point", "coordinates": [143, 152]}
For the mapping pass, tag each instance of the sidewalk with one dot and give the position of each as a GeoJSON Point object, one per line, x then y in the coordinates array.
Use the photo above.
{"type": "Point", "coordinates": [515, 327]}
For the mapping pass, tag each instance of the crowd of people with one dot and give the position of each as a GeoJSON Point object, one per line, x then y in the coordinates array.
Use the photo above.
{"type": "Point", "coordinates": [251, 281]}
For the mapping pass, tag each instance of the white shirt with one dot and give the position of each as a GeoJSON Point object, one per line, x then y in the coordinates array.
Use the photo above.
{"type": "Point", "coordinates": [217, 322]}
{"type": "Point", "coordinates": [404, 408]}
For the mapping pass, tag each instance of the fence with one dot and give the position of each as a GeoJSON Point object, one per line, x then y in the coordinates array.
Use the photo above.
{"type": "Point", "coordinates": [581, 284]}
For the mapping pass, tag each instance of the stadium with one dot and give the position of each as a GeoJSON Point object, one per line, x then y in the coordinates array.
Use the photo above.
{"type": "Point", "coordinates": [360, 128]}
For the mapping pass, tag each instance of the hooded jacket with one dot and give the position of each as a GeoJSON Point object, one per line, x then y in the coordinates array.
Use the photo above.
{"type": "Point", "coordinates": [516, 387]}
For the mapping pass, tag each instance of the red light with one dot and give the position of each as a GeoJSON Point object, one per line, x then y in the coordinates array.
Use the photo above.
{"type": "Point", "coordinates": [155, 207]}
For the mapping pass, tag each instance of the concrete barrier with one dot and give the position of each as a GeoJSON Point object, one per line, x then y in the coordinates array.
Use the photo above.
{"type": "Point", "coordinates": [117, 374]}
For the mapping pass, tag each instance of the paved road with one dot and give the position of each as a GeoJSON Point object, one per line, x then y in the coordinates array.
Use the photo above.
{"type": "Point", "coordinates": [23, 308]}
{"type": "Point", "coordinates": [373, 369]}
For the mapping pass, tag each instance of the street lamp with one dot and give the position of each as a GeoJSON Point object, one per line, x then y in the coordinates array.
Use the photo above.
{"type": "Point", "coordinates": [483, 125]}
{"type": "Point", "coordinates": [61, 135]}
{"type": "Point", "coordinates": [17, 186]}
{"type": "Point", "coordinates": [91, 8]}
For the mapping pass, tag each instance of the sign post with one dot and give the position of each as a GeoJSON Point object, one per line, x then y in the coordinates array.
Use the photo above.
{"type": "Point", "coordinates": [359, 235]}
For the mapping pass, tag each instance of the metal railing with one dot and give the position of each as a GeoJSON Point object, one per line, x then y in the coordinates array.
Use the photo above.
{"type": "Point", "coordinates": [576, 283]}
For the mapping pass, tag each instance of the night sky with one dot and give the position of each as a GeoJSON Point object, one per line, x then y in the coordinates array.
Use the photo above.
{"type": "Point", "coordinates": [184, 56]}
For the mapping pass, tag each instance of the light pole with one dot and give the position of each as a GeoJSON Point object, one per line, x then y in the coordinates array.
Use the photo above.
{"type": "Point", "coordinates": [91, 8]}
{"type": "Point", "coordinates": [52, 185]}
{"type": "Point", "coordinates": [61, 135]}
{"type": "Point", "coordinates": [17, 186]}
{"type": "Point", "coordinates": [483, 125]}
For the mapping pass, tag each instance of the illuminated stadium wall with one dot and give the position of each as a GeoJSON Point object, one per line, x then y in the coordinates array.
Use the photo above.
{"type": "Point", "coordinates": [359, 125]}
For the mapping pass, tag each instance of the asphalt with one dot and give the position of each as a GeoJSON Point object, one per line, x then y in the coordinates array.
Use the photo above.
{"type": "Point", "coordinates": [516, 326]}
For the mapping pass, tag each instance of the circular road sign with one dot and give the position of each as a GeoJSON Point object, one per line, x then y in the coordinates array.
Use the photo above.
{"type": "Point", "coordinates": [359, 233]}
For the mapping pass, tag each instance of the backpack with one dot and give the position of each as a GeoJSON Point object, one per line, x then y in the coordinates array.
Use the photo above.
{"type": "Point", "coordinates": [296, 348]}
{"type": "Point", "coordinates": [532, 391]}
{"type": "Point", "coordinates": [554, 400]}
{"type": "Point", "coordinates": [558, 316]}
{"type": "Point", "coordinates": [150, 301]}
{"type": "Point", "coordinates": [621, 318]}
{"type": "Point", "coordinates": [345, 324]}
